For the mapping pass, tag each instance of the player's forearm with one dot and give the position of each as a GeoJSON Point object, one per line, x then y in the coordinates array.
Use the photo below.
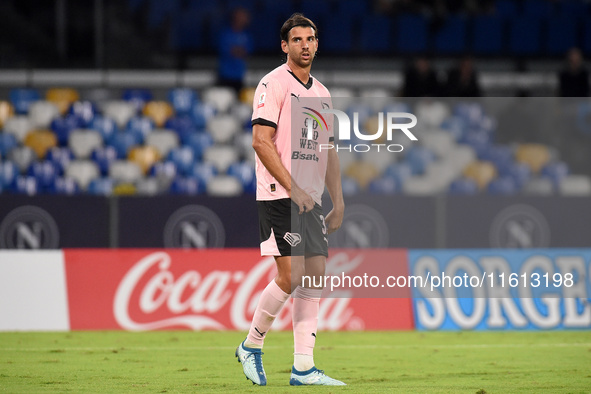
{"type": "Point", "coordinates": [267, 153]}
{"type": "Point", "coordinates": [333, 180]}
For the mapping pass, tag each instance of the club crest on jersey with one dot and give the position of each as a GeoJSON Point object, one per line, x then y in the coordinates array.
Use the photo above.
{"type": "Point", "coordinates": [292, 238]}
{"type": "Point", "coordinates": [262, 99]}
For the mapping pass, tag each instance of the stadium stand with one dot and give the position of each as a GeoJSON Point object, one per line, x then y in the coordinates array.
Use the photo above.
{"type": "Point", "coordinates": [456, 153]}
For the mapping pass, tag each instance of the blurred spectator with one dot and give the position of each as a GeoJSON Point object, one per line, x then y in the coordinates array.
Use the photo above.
{"type": "Point", "coordinates": [234, 46]}
{"type": "Point", "coordinates": [420, 80]}
{"type": "Point", "coordinates": [574, 78]}
{"type": "Point", "coordinates": [462, 80]}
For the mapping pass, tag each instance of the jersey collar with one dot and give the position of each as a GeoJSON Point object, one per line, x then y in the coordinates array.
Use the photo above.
{"type": "Point", "coordinates": [306, 85]}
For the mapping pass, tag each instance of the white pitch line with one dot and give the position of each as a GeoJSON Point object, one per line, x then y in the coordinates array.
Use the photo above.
{"type": "Point", "coordinates": [58, 349]}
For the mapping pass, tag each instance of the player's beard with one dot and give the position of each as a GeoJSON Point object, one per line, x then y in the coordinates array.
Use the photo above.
{"type": "Point", "coordinates": [301, 62]}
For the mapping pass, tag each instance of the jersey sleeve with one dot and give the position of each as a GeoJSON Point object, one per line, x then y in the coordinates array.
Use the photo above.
{"type": "Point", "coordinates": [267, 103]}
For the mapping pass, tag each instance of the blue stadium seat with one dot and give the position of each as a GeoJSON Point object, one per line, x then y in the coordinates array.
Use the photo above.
{"type": "Point", "coordinates": [479, 140]}
{"type": "Point", "coordinates": [412, 33]}
{"type": "Point", "coordinates": [183, 158]}
{"type": "Point", "coordinates": [418, 158]}
{"type": "Point", "coordinates": [122, 142]}
{"type": "Point", "coordinates": [180, 124]}
{"type": "Point", "coordinates": [456, 126]}
{"type": "Point", "coordinates": [499, 155]}
{"type": "Point", "coordinates": [85, 110]}
{"type": "Point", "coordinates": [282, 9]}
{"type": "Point", "coordinates": [376, 34]}
{"type": "Point", "coordinates": [7, 142]}
{"type": "Point", "coordinates": [163, 169]}
{"type": "Point", "coordinates": [203, 172]}
{"type": "Point", "coordinates": [201, 113]}
{"type": "Point", "coordinates": [8, 173]}
{"type": "Point", "coordinates": [139, 97]}
{"type": "Point", "coordinates": [555, 171]}
{"type": "Point", "coordinates": [104, 125]}
{"type": "Point", "coordinates": [140, 127]}
{"type": "Point", "coordinates": [350, 186]}
{"type": "Point", "coordinates": [399, 172]}
{"type": "Point", "coordinates": [562, 34]}
{"type": "Point", "coordinates": [62, 127]}
{"type": "Point", "coordinates": [520, 172]}
{"type": "Point", "coordinates": [463, 186]}
{"type": "Point", "coordinates": [182, 100]}
{"type": "Point", "coordinates": [187, 185]}
{"type": "Point", "coordinates": [470, 112]}
{"type": "Point", "coordinates": [199, 142]}
{"type": "Point", "coordinates": [525, 37]}
{"type": "Point", "coordinates": [337, 34]}
{"type": "Point", "coordinates": [383, 185]}
{"type": "Point", "coordinates": [44, 172]}
{"type": "Point", "coordinates": [451, 37]}
{"type": "Point", "coordinates": [21, 99]}
{"type": "Point", "coordinates": [502, 186]}
{"type": "Point", "coordinates": [60, 157]}
{"type": "Point", "coordinates": [103, 157]}
{"type": "Point", "coordinates": [25, 185]}
{"type": "Point", "coordinates": [100, 187]}
{"type": "Point", "coordinates": [245, 173]}
{"type": "Point", "coordinates": [63, 186]}
{"type": "Point", "coordinates": [487, 35]}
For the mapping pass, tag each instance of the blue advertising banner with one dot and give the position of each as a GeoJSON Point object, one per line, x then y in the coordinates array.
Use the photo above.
{"type": "Point", "coordinates": [500, 289]}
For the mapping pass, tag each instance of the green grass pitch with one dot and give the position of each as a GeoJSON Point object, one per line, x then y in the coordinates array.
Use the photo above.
{"type": "Point", "coordinates": [182, 361]}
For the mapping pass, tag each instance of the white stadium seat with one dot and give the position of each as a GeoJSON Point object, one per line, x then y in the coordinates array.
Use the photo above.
{"type": "Point", "coordinates": [148, 187]}
{"type": "Point", "coordinates": [437, 141]}
{"type": "Point", "coordinates": [244, 144]}
{"type": "Point", "coordinates": [120, 111]}
{"type": "Point", "coordinates": [22, 156]}
{"type": "Point", "coordinates": [125, 171]}
{"type": "Point", "coordinates": [163, 140]}
{"type": "Point", "coordinates": [539, 187]}
{"type": "Point", "coordinates": [575, 185]}
{"type": "Point", "coordinates": [222, 98]}
{"type": "Point", "coordinates": [223, 128]}
{"type": "Point", "coordinates": [41, 113]}
{"type": "Point", "coordinates": [421, 186]}
{"type": "Point", "coordinates": [221, 157]}
{"type": "Point", "coordinates": [19, 126]}
{"type": "Point", "coordinates": [83, 172]}
{"type": "Point", "coordinates": [83, 141]}
{"type": "Point", "coordinates": [224, 186]}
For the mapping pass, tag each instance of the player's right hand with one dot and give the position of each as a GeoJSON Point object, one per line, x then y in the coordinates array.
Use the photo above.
{"type": "Point", "coordinates": [302, 199]}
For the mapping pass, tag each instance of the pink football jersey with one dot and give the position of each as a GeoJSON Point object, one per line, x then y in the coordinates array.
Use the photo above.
{"type": "Point", "coordinates": [302, 132]}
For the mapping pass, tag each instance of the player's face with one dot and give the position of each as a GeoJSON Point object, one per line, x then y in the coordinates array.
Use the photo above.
{"type": "Point", "coordinates": [301, 46]}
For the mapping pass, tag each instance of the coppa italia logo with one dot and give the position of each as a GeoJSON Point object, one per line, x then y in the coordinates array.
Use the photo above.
{"type": "Point", "coordinates": [198, 290]}
{"type": "Point", "coordinates": [345, 130]}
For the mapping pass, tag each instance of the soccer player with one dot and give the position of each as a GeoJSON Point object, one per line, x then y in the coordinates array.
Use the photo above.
{"type": "Point", "coordinates": [292, 172]}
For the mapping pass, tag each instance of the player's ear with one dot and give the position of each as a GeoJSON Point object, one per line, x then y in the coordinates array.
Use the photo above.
{"type": "Point", "coordinates": [284, 46]}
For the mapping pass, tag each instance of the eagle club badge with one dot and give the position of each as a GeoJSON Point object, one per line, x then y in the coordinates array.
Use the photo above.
{"type": "Point", "coordinates": [262, 99]}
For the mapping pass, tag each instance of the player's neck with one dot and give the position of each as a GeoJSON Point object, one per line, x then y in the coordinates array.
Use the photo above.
{"type": "Point", "coordinates": [303, 73]}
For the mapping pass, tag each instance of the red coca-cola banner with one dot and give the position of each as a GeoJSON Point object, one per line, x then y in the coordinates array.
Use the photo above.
{"type": "Point", "coordinates": [142, 289]}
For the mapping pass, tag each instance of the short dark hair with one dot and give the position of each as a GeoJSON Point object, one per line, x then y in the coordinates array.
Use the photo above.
{"type": "Point", "coordinates": [297, 19]}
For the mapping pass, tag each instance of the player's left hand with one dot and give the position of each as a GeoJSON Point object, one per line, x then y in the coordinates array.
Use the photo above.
{"type": "Point", "coordinates": [333, 220]}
